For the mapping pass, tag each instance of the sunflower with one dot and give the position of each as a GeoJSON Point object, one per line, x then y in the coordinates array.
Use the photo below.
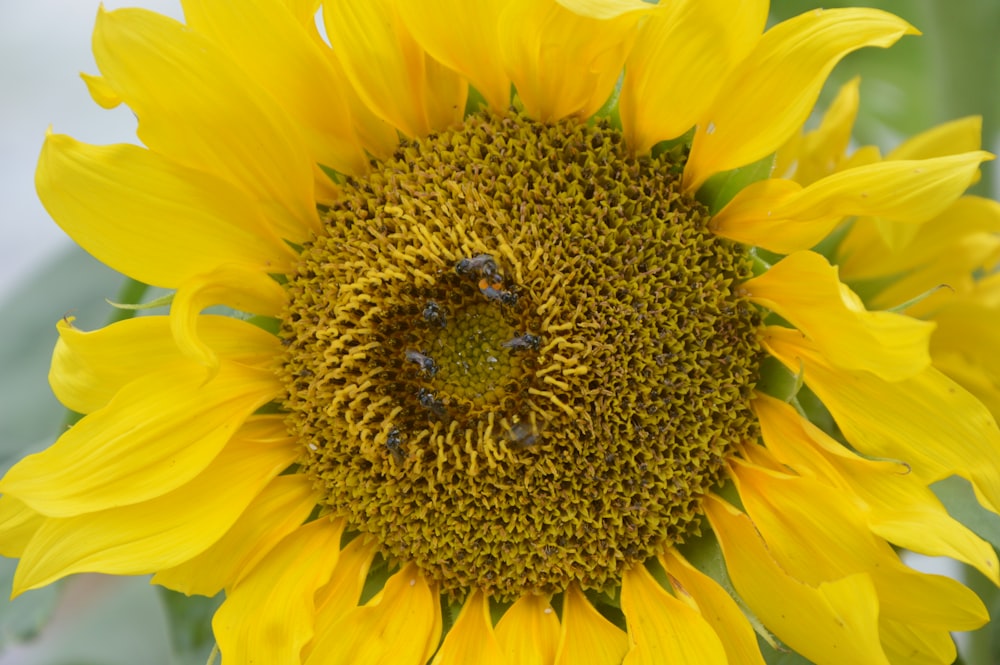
{"type": "Point", "coordinates": [525, 356]}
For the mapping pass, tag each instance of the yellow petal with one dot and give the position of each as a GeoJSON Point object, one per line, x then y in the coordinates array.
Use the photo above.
{"type": "Point", "coordinates": [342, 592]}
{"type": "Point", "coordinates": [824, 150]}
{"type": "Point", "coordinates": [834, 623]}
{"type": "Point", "coordinates": [165, 531]}
{"type": "Point", "coordinates": [389, 70]}
{"type": "Point", "coordinates": [864, 253]}
{"type": "Point", "coordinates": [233, 285]}
{"type": "Point", "coordinates": [785, 218]}
{"type": "Point", "coordinates": [18, 524]}
{"type": "Point", "coordinates": [679, 63]}
{"type": "Point", "coordinates": [565, 62]}
{"type": "Point", "coordinates": [771, 93]}
{"type": "Point", "coordinates": [659, 624]}
{"type": "Point", "coordinates": [100, 91]}
{"type": "Point", "coordinates": [948, 138]}
{"type": "Point", "coordinates": [899, 507]}
{"type": "Point", "coordinates": [463, 36]}
{"type": "Point", "coordinates": [269, 43]}
{"type": "Point", "coordinates": [183, 89]}
{"type": "Point", "coordinates": [528, 632]}
{"type": "Point", "coordinates": [268, 617]}
{"type": "Point", "coordinates": [904, 643]}
{"type": "Point", "coordinates": [817, 534]}
{"type": "Point", "coordinates": [88, 368]}
{"type": "Point", "coordinates": [586, 636]}
{"type": "Point", "coordinates": [400, 625]}
{"type": "Point", "coordinates": [972, 330]}
{"type": "Point", "coordinates": [806, 291]}
{"type": "Point", "coordinates": [157, 433]}
{"type": "Point", "coordinates": [149, 218]}
{"type": "Point", "coordinates": [471, 639]}
{"type": "Point", "coordinates": [716, 606]}
{"type": "Point", "coordinates": [279, 509]}
{"type": "Point", "coordinates": [927, 421]}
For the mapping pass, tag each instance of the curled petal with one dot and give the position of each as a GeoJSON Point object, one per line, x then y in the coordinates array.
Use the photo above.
{"type": "Point", "coordinates": [770, 94]}
{"type": "Point", "coordinates": [783, 217]}
{"type": "Point", "coordinates": [806, 291]}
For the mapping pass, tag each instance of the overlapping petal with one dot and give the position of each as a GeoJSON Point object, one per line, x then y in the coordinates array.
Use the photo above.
{"type": "Point", "coordinates": [680, 62]}
{"type": "Point", "coordinates": [586, 636]}
{"type": "Point", "coordinates": [267, 41]}
{"type": "Point", "coordinates": [342, 593]}
{"type": "Point", "coordinates": [268, 616]}
{"type": "Point", "coordinates": [865, 254]}
{"type": "Point", "coordinates": [528, 632]}
{"type": "Point", "coordinates": [472, 638]}
{"type": "Point", "coordinates": [89, 368]}
{"type": "Point", "coordinates": [277, 511]}
{"type": "Point", "coordinates": [156, 434]}
{"type": "Point", "coordinates": [804, 289]}
{"type": "Point", "coordinates": [390, 71]}
{"type": "Point", "coordinates": [401, 624]}
{"type": "Point", "coordinates": [167, 530]}
{"type": "Point", "coordinates": [716, 606]}
{"type": "Point", "coordinates": [833, 623]}
{"type": "Point", "coordinates": [183, 89]}
{"type": "Point", "coordinates": [18, 524]}
{"type": "Point", "coordinates": [232, 285]}
{"type": "Point", "coordinates": [783, 217]}
{"type": "Point", "coordinates": [658, 624]}
{"type": "Point", "coordinates": [823, 151]}
{"type": "Point", "coordinates": [150, 218]}
{"type": "Point", "coordinates": [468, 42]}
{"type": "Point", "coordinates": [783, 509]}
{"type": "Point", "coordinates": [772, 91]}
{"type": "Point", "coordinates": [927, 421]}
{"type": "Point", "coordinates": [564, 58]}
{"type": "Point", "coordinates": [898, 506]}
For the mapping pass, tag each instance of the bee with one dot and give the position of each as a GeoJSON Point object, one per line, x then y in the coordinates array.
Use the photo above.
{"type": "Point", "coordinates": [394, 444]}
{"type": "Point", "coordinates": [523, 434]}
{"type": "Point", "coordinates": [430, 402]}
{"type": "Point", "coordinates": [426, 363]}
{"type": "Point", "coordinates": [524, 342]}
{"type": "Point", "coordinates": [481, 265]}
{"type": "Point", "coordinates": [494, 293]}
{"type": "Point", "coordinates": [434, 314]}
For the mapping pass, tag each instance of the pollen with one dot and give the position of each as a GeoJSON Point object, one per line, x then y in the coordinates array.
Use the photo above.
{"type": "Point", "coordinates": [517, 357]}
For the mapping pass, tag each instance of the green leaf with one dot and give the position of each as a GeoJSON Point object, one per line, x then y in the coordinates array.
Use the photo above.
{"type": "Point", "coordinates": [190, 620]}
{"type": "Point", "coordinates": [71, 284]}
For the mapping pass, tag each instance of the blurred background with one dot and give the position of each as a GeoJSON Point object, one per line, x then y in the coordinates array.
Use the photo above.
{"type": "Point", "coordinates": [953, 70]}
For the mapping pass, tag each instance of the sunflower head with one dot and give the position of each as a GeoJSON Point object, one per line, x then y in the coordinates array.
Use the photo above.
{"type": "Point", "coordinates": [495, 384]}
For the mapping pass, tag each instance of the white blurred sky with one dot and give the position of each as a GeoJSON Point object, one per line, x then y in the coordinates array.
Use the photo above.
{"type": "Point", "coordinates": [44, 44]}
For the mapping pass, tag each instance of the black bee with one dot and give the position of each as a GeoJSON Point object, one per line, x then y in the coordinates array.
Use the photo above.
{"type": "Point", "coordinates": [481, 265]}
{"type": "Point", "coordinates": [430, 402]}
{"type": "Point", "coordinates": [434, 314]}
{"type": "Point", "coordinates": [394, 444]}
{"type": "Point", "coordinates": [426, 363]}
{"type": "Point", "coordinates": [523, 434]}
{"type": "Point", "coordinates": [524, 342]}
{"type": "Point", "coordinates": [495, 293]}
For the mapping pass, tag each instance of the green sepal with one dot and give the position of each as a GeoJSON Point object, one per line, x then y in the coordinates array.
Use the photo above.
{"type": "Point", "coordinates": [722, 187]}
{"type": "Point", "coordinates": [162, 301]}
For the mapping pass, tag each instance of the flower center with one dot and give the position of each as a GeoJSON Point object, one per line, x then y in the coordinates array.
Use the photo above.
{"type": "Point", "coordinates": [517, 356]}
